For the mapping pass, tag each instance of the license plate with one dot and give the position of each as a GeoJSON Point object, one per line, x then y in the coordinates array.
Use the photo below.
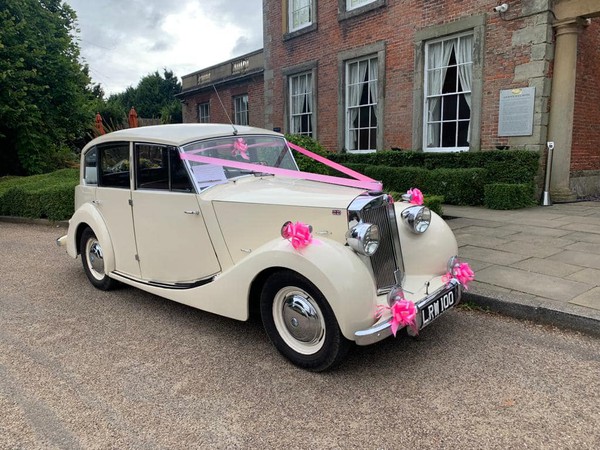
{"type": "Point", "coordinates": [438, 306]}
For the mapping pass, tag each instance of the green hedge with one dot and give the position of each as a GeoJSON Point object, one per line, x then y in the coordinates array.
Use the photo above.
{"type": "Point", "coordinates": [508, 196]}
{"type": "Point", "coordinates": [459, 176]}
{"type": "Point", "coordinates": [503, 166]}
{"type": "Point", "coordinates": [306, 164]}
{"type": "Point", "coordinates": [48, 196]}
{"type": "Point", "coordinates": [457, 186]}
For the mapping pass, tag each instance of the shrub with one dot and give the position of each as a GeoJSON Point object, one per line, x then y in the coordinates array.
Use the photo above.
{"type": "Point", "coordinates": [508, 196]}
{"type": "Point", "coordinates": [503, 166]}
{"type": "Point", "coordinates": [457, 186]}
{"type": "Point", "coordinates": [306, 164]}
{"type": "Point", "coordinates": [39, 196]}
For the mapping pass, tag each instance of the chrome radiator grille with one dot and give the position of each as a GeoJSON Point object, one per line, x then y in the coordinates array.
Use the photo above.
{"type": "Point", "coordinates": [387, 259]}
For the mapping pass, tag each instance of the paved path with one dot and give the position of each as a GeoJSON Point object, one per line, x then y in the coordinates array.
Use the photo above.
{"type": "Point", "coordinates": [539, 263]}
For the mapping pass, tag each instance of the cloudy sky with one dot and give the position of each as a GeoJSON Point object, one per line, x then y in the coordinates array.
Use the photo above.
{"type": "Point", "coordinates": [124, 40]}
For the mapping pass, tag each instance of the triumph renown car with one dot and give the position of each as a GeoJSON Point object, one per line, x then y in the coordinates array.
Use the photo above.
{"type": "Point", "coordinates": [220, 218]}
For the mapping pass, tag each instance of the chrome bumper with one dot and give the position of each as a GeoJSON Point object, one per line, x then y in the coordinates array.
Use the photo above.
{"type": "Point", "coordinates": [383, 330]}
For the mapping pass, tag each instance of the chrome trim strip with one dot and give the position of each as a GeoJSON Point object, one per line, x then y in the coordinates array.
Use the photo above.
{"type": "Point", "coordinates": [383, 330]}
{"type": "Point", "coordinates": [175, 286]}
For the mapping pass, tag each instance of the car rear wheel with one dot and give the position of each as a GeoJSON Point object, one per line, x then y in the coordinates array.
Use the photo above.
{"type": "Point", "coordinates": [92, 258]}
{"type": "Point", "coordinates": [300, 323]}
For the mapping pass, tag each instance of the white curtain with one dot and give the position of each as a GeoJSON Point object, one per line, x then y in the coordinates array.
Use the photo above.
{"type": "Point", "coordinates": [373, 72]}
{"type": "Point", "coordinates": [356, 76]}
{"type": "Point", "coordinates": [464, 58]}
{"type": "Point", "coordinates": [308, 95]}
{"type": "Point", "coordinates": [438, 57]}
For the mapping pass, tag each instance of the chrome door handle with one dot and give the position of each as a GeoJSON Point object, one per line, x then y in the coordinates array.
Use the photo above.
{"type": "Point", "coordinates": [192, 212]}
{"type": "Point", "coordinates": [96, 202]}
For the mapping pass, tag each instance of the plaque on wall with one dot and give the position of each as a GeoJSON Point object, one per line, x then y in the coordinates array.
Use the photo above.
{"type": "Point", "coordinates": [516, 112]}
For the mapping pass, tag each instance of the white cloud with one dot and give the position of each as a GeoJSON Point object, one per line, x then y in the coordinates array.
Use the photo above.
{"type": "Point", "coordinates": [122, 41]}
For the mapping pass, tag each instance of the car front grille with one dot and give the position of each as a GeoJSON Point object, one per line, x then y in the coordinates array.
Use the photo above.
{"type": "Point", "coordinates": [388, 258]}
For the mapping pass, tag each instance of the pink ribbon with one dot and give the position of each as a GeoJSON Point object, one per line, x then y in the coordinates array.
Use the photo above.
{"type": "Point", "coordinates": [404, 314]}
{"type": "Point", "coordinates": [240, 148]}
{"type": "Point", "coordinates": [299, 234]}
{"type": "Point", "coordinates": [364, 184]}
{"type": "Point", "coordinates": [416, 196]}
{"type": "Point", "coordinates": [462, 272]}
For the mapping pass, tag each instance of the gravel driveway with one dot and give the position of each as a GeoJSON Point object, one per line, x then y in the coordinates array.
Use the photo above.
{"type": "Point", "coordinates": [81, 368]}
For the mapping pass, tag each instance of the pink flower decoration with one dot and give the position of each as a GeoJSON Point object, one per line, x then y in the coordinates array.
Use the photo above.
{"type": "Point", "coordinates": [462, 272]}
{"type": "Point", "coordinates": [416, 196]}
{"type": "Point", "coordinates": [299, 234]}
{"type": "Point", "coordinates": [240, 148]}
{"type": "Point", "coordinates": [404, 314]}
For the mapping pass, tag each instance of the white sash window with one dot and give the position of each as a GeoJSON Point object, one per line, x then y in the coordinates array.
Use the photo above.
{"type": "Point", "coordinates": [447, 108]}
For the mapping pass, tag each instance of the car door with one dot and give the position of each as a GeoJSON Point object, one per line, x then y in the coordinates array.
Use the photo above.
{"type": "Point", "coordinates": [113, 200]}
{"type": "Point", "coordinates": [173, 243]}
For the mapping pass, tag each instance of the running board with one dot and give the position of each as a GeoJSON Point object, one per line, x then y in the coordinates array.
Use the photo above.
{"type": "Point", "coordinates": [175, 286]}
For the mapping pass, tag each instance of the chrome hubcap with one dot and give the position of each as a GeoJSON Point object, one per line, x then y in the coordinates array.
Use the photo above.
{"type": "Point", "coordinates": [95, 258]}
{"type": "Point", "coordinates": [299, 320]}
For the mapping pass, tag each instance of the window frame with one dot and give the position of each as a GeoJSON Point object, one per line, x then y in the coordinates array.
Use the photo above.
{"type": "Point", "coordinates": [441, 96]}
{"type": "Point", "coordinates": [348, 129]}
{"type": "Point", "coordinates": [239, 113]}
{"type": "Point", "coordinates": [360, 4]}
{"type": "Point", "coordinates": [311, 114]}
{"type": "Point", "coordinates": [88, 173]}
{"type": "Point", "coordinates": [347, 12]}
{"type": "Point", "coordinates": [206, 117]}
{"type": "Point", "coordinates": [101, 149]}
{"type": "Point", "coordinates": [376, 49]}
{"type": "Point", "coordinates": [291, 11]}
{"type": "Point", "coordinates": [167, 152]}
{"type": "Point", "coordinates": [475, 25]}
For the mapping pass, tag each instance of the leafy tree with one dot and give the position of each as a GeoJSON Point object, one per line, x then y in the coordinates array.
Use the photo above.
{"type": "Point", "coordinates": [153, 97]}
{"type": "Point", "coordinates": [44, 96]}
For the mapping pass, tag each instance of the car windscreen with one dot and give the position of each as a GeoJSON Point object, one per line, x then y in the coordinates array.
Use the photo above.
{"type": "Point", "coordinates": [269, 151]}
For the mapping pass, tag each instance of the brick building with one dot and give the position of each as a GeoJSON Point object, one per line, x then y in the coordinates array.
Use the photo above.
{"type": "Point", "coordinates": [430, 75]}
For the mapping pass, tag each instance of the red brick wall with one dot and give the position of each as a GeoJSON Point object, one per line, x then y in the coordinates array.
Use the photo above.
{"type": "Point", "coordinates": [253, 87]}
{"type": "Point", "coordinates": [395, 24]}
{"type": "Point", "coordinates": [586, 127]}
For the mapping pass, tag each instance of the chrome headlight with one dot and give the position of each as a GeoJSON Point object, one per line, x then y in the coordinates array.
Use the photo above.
{"type": "Point", "coordinates": [417, 218]}
{"type": "Point", "coordinates": [363, 238]}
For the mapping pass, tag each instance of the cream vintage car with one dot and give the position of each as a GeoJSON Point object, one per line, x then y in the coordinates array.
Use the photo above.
{"type": "Point", "coordinates": [204, 214]}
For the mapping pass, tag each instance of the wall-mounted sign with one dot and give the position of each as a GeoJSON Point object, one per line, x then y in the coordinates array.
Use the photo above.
{"type": "Point", "coordinates": [516, 112]}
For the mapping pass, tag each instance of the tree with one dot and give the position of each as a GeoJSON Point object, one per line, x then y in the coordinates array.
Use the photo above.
{"type": "Point", "coordinates": [44, 96]}
{"type": "Point", "coordinates": [153, 97]}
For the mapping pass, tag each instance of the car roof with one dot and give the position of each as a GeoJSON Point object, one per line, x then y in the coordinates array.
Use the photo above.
{"type": "Point", "coordinates": [177, 134]}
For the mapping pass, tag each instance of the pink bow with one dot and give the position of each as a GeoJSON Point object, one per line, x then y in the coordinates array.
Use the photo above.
{"type": "Point", "coordinates": [404, 313]}
{"type": "Point", "coordinates": [416, 196]}
{"type": "Point", "coordinates": [462, 272]}
{"type": "Point", "coordinates": [240, 148]}
{"type": "Point", "coordinates": [299, 234]}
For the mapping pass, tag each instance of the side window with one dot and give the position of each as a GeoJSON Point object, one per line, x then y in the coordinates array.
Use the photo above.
{"type": "Point", "coordinates": [180, 180]}
{"type": "Point", "coordinates": [90, 174]}
{"type": "Point", "coordinates": [114, 165]}
{"type": "Point", "coordinates": [160, 168]}
{"type": "Point", "coordinates": [152, 167]}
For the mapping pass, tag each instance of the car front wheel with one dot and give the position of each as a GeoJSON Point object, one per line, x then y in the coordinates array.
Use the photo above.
{"type": "Point", "coordinates": [92, 258]}
{"type": "Point", "coordinates": [300, 323]}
